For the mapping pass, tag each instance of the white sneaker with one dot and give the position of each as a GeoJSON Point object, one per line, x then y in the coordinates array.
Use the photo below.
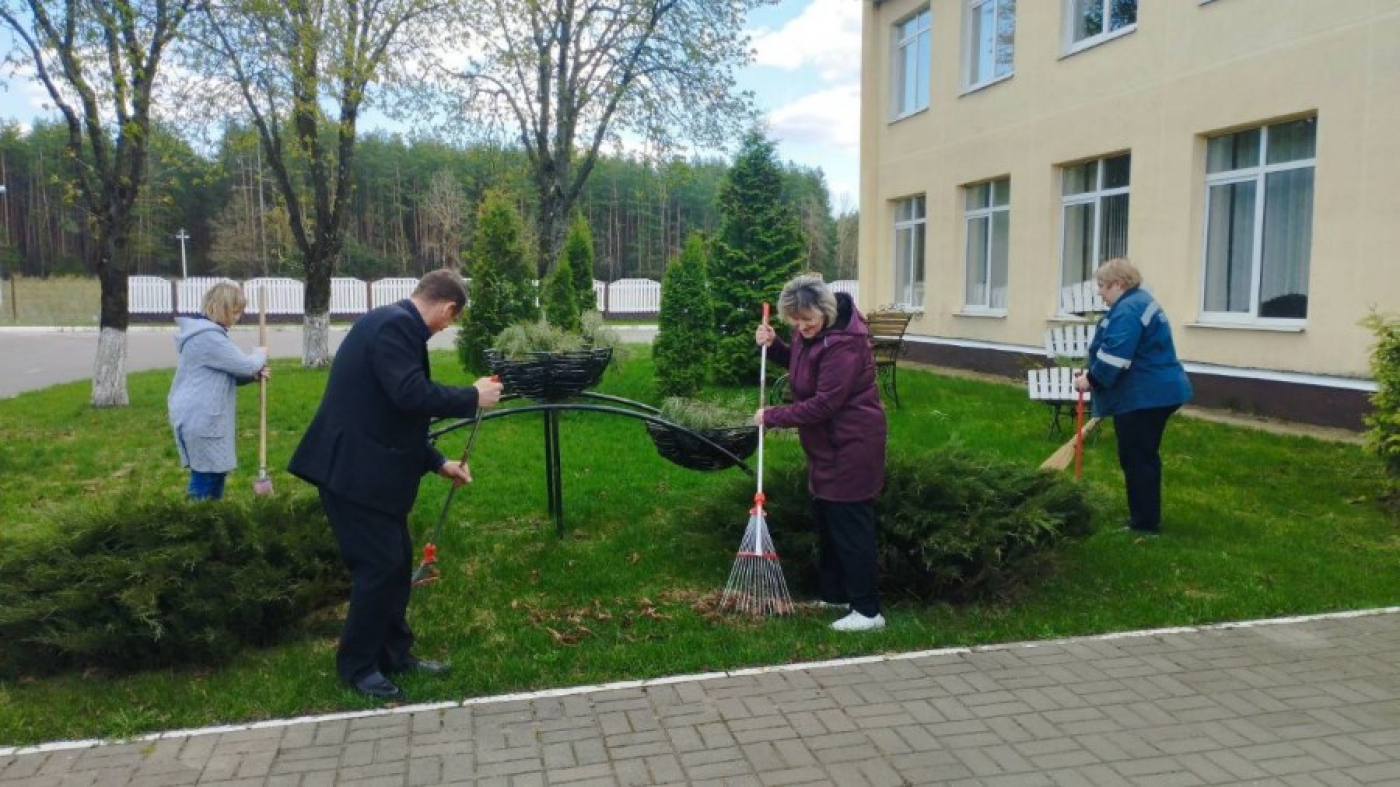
{"type": "Point", "coordinates": [858, 622]}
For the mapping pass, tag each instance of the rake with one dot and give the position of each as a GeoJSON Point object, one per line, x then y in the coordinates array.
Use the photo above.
{"type": "Point", "coordinates": [262, 487]}
{"type": "Point", "coordinates": [756, 585]}
{"type": "Point", "coordinates": [427, 572]}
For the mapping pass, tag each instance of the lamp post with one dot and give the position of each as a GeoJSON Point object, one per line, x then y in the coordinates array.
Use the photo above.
{"type": "Point", "coordinates": [182, 236]}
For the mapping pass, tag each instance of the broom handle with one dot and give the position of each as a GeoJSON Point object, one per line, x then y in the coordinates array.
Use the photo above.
{"type": "Point", "coordinates": [762, 398]}
{"type": "Point", "coordinates": [1079, 437]}
{"type": "Point", "coordinates": [262, 383]}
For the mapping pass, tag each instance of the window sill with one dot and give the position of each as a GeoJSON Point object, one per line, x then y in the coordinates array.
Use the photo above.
{"type": "Point", "coordinates": [907, 115]}
{"type": "Point", "coordinates": [1102, 38]}
{"type": "Point", "coordinates": [1251, 326]}
{"type": "Point", "coordinates": [980, 86]}
{"type": "Point", "coordinates": [981, 314]}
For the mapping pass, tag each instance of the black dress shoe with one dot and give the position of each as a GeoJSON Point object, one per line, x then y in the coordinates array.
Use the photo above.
{"type": "Point", "coordinates": [416, 664]}
{"type": "Point", "coordinates": [378, 687]}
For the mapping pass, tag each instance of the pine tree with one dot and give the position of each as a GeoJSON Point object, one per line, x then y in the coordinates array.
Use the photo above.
{"type": "Point", "coordinates": [560, 299]}
{"type": "Point", "coordinates": [502, 292]}
{"type": "Point", "coordinates": [685, 340]}
{"type": "Point", "coordinates": [578, 252]}
{"type": "Point", "coordinates": [759, 247]}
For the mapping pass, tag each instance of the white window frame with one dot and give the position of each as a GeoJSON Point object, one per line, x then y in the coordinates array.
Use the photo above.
{"type": "Point", "coordinates": [902, 106]}
{"type": "Point", "coordinates": [917, 227]}
{"type": "Point", "coordinates": [1257, 174]}
{"type": "Point", "coordinates": [971, 46]}
{"type": "Point", "coordinates": [971, 215]}
{"type": "Point", "coordinates": [1071, 22]}
{"type": "Point", "coordinates": [1096, 198]}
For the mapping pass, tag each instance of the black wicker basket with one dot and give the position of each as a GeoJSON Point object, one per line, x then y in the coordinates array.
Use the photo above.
{"type": "Point", "coordinates": [688, 452]}
{"type": "Point", "coordinates": [551, 376]}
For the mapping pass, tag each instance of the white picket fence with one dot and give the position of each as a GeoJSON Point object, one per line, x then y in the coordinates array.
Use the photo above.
{"type": "Point", "coordinates": [153, 295]}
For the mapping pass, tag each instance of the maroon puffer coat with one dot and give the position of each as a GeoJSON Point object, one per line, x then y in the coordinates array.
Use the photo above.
{"type": "Point", "coordinates": [836, 407]}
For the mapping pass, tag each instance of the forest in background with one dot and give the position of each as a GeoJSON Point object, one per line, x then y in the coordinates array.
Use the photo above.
{"type": "Point", "coordinates": [414, 209]}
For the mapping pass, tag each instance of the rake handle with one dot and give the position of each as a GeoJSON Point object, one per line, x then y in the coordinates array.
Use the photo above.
{"type": "Point", "coordinates": [1079, 437]}
{"type": "Point", "coordinates": [762, 402]}
{"type": "Point", "coordinates": [262, 384]}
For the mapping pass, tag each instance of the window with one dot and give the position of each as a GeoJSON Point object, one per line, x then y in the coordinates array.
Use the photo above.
{"type": "Point", "coordinates": [1259, 203]}
{"type": "Point", "coordinates": [1093, 21]}
{"type": "Point", "coordinates": [990, 41]}
{"type": "Point", "coordinates": [988, 219]}
{"type": "Point", "coordinates": [1094, 216]}
{"type": "Point", "coordinates": [909, 253]}
{"type": "Point", "coordinates": [912, 57]}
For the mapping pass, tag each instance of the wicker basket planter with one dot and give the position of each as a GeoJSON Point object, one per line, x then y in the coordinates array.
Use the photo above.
{"type": "Point", "coordinates": [551, 376]}
{"type": "Point", "coordinates": [688, 452]}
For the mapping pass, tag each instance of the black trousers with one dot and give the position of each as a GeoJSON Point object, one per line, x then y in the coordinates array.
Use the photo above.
{"type": "Point", "coordinates": [377, 549]}
{"type": "Point", "coordinates": [1139, 443]}
{"type": "Point", "coordinates": [847, 569]}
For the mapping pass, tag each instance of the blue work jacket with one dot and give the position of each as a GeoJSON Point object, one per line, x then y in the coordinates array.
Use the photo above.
{"type": "Point", "coordinates": [1132, 360]}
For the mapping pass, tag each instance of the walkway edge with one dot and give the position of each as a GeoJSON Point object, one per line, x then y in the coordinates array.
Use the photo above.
{"type": "Point", "coordinates": [9, 751]}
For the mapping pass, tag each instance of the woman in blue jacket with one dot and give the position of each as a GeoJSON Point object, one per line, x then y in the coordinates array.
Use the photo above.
{"type": "Point", "coordinates": [1136, 378]}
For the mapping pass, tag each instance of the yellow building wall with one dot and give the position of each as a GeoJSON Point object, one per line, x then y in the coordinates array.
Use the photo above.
{"type": "Point", "coordinates": [1189, 70]}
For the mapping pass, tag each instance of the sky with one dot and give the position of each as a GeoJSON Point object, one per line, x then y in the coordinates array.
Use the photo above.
{"type": "Point", "coordinates": [805, 79]}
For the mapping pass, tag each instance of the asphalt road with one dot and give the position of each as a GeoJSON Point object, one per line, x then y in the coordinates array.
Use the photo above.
{"type": "Point", "coordinates": [34, 358]}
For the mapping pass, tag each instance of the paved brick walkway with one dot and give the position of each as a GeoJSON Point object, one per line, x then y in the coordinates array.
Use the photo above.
{"type": "Point", "coordinates": [1305, 702]}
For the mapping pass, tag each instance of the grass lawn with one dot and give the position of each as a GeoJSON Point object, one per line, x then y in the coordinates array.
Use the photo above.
{"type": "Point", "coordinates": [1256, 525]}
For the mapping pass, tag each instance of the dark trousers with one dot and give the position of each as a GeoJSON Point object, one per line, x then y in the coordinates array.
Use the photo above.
{"type": "Point", "coordinates": [379, 553]}
{"type": "Point", "coordinates": [1139, 440]}
{"type": "Point", "coordinates": [848, 565]}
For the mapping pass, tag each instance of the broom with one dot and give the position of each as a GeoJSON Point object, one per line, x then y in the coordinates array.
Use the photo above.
{"type": "Point", "coordinates": [427, 572]}
{"type": "Point", "coordinates": [756, 586]}
{"type": "Point", "coordinates": [262, 487]}
{"type": "Point", "coordinates": [1074, 449]}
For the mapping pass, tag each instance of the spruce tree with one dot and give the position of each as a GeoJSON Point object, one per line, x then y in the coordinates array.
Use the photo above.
{"type": "Point", "coordinates": [578, 252]}
{"type": "Point", "coordinates": [502, 292]}
{"type": "Point", "coordinates": [758, 248]}
{"type": "Point", "coordinates": [560, 299]}
{"type": "Point", "coordinates": [685, 340]}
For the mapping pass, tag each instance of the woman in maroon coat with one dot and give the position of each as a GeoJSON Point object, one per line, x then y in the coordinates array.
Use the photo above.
{"type": "Point", "coordinates": [841, 423]}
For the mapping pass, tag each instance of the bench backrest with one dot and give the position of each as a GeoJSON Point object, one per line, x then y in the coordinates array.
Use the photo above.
{"type": "Point", "coordinates": [1055, 384]}
{"type": "Point", "coordinates": [1068, 341]}
{"type": "Point", "coordinates": [887, 334]}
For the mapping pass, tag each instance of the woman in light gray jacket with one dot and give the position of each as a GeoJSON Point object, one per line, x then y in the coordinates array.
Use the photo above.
{"type": "Point", "coordinates": [202, 401]}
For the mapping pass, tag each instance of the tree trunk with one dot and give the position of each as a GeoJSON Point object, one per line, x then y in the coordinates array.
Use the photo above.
{"type": "Point", "coordinates": [109, 370]}
{"type": "Point", "coordinates": [315, 339]}
{"type": "Point", "coordinates": [109, 374]}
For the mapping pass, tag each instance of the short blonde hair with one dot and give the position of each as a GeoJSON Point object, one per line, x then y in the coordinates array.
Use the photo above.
{"type": "Point", "coordinates": [807, 292]}
{"type": "Point", "coordinates": [224, 302]}
{"type": "Point", "coordinates": [1119, 271]}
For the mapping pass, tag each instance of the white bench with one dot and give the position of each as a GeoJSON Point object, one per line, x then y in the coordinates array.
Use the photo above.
{"type": "Point", "coordinates": [1068, 341]}
{"type": "Point", "coordinates": [1055, 388]}
{"type": "Point", "coordinates": [1081, 299]}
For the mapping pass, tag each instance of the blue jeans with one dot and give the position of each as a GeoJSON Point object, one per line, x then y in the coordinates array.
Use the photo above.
{"type": "Point", "coordinates": [206, 486]}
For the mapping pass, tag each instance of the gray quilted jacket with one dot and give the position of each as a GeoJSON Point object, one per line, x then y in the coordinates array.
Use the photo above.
{"type": "Point", "coordinates": [202, 401]}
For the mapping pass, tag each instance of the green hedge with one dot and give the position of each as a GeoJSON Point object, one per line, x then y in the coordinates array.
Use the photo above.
{"type": "Point", "coordinates": [156, 583]}
{"type": "Point", "coordinates": [1383, 434]}
{"type": "Point", "coordinates": [951, 524]}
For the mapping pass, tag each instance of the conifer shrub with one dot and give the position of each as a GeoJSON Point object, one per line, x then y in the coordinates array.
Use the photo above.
{"type": "Point", "coordinates": [759, 246]}
{"type": "Point", "coordinates": [685, 339]}
{"type": "Point", "coordinates": [1383, 423]}
{"type": "Point", "coordinates": [141, 584]}
{"type": "Point", "coordinates": [952, 524]}
{"type": "Point", "coordinates": [503, 290]}
{"type": "Point", "coordinates": [578, 252]}
{"type": "Point", "coordinates": [560, 300]}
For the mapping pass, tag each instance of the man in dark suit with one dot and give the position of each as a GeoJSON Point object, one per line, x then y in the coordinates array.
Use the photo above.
{"type": "Point", "coordinates": [366, 450]}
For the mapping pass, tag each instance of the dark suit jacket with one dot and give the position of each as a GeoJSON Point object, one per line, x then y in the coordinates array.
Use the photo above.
{"type": "Point", "coordinates": [369, 439]}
